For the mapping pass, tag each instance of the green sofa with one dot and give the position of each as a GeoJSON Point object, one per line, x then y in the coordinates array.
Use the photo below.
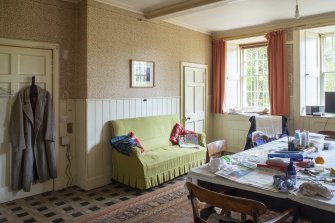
{"type": "Point", "coordinates": [161, 160]}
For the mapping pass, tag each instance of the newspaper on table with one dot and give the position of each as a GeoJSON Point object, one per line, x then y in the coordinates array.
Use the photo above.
{"type": "Point", "coordinates": [260, 177]}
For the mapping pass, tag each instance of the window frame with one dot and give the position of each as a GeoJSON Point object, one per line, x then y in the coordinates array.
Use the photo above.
{"type": "Point", "coordinates": [243, 77]}
{"type": "Point", "coordinates": [305, 66]}
{"type": "Point", "coordinates": [323, 71]}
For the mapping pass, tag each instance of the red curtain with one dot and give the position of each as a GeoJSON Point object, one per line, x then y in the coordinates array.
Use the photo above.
{"type": "Point", "coordinates": [278, 77]}
{"type": "Point", "coordinates": [219, 76]}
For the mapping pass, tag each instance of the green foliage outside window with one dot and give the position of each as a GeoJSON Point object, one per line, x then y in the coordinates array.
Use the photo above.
{"type": "Point", "coordinates": [329, 63]}
{"type": "Point", "coordinates": [255, 77]}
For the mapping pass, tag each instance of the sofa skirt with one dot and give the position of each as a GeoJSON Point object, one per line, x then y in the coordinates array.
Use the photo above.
{"type": "Point", "coordinates": [155, 180]}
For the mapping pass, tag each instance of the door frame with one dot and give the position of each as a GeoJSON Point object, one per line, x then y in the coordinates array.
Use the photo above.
{"type": "Point", "coordinates": [57, 184]}
{"type": "Point", "coordinates": [182, 93]}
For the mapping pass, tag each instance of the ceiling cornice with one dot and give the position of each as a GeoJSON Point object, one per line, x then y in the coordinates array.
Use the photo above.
{"type": "Point", "coordinates": [183, 8]}
{"type": "Point", "coordinates": [302, 23]}
{"type": "Point", "coordinates": [120, 5]}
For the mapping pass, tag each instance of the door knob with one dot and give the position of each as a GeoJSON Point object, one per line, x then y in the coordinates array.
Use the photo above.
{"type": "Point", "coordinates": [188, 118]}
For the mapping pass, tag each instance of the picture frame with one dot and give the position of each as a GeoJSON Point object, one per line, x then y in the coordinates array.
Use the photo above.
{"type": "Point", "coordinates": [142, 74]}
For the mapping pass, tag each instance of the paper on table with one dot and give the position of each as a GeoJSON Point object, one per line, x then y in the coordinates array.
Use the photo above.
{"type": "Point", "coordinates": [260, 177]}
{"type": "Point", "coordinates": [234, 172]}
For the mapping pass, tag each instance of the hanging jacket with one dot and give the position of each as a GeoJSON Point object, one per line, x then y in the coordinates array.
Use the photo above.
{"type": "Point", "coordinates": [32, 135]}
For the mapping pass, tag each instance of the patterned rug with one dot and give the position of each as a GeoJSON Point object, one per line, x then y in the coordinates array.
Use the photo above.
{"type": "Point", "coordinates": [168, 204]}
{"type": "Point", "coordinates": [164, 205]}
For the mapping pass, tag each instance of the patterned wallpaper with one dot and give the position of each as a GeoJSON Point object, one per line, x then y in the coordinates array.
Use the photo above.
{"type": "Point", "coordinates": [80, 82]}
{"type": "Point", "coordinates": [46, 21]}
{"type": "Point", "coordinates": [101, 40]}
{"type": "Point", "coordinates": [114, 36]}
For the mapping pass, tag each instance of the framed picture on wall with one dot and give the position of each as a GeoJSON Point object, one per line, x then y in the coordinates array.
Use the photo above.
{"type": "Point", "coordinates": [142, 74]}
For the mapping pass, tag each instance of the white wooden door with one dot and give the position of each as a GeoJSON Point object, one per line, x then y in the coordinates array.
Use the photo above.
{"type": "Point", "coordinates": [17, 66]}
{"type": "Point", "coordinates": [194, 97]}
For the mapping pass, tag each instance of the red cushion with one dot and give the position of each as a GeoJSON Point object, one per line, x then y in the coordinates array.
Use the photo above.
{"type": "Point", "coordinates": [177, 130]}
{"type": "Point", "coordinates": [139, 145]}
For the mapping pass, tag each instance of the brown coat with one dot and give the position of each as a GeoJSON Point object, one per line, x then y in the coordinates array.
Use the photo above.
{"type": "Point", "coordinates": [33, 140]}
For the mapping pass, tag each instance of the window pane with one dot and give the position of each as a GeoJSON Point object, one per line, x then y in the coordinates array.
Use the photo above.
{"type": "Point", "coordinates": [249, 83]}
{"type": "Point", "coordinates": [255, 66]}
{"type": "Point", "coordinates": [329, 82]}
{"type": "Point", "coordinates": [329, 53]}
{"type": "Point", "coordinates": [330, 62]}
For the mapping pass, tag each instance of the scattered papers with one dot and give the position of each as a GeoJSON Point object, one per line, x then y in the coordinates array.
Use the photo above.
{"type": "Point", "coordinates": [260, 177]}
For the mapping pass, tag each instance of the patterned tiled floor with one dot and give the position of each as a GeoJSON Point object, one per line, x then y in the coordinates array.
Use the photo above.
{"type": "Point", "coordinates": [69, 204]}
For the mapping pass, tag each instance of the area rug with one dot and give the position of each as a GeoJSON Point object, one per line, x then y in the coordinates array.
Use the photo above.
{"type": "Point", "coordinates": [167, 204]}
{"type": "Point", "coordinates": [164, 205]}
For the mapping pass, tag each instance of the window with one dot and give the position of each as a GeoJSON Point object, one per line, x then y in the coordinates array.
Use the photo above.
{"type": "Point", "coordinates": [328, 61]}
{"type": "Point", "coordinates": [317, 65]}
{"type": "Point", "coordinates": [255, 93]}
{"type": "Point", "coordinates": [247, 75]}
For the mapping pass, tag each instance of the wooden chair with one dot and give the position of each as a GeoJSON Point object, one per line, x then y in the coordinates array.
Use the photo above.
{"type": "Point", "coordinates": [258, 138]}
{"type": "Point", "coordinates": [229, 204]}
{"type": "Point", "coordinates": [215, 148]}
{"type": "Point", "coordinates": [329, 134]}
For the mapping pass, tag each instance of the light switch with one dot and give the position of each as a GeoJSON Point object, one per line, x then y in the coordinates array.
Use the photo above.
{"type": "Point", "coordinates": [64, 140]}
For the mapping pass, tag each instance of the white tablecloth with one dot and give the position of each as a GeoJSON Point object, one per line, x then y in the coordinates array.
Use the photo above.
{"type": "Point", "coordinates": [260, 181]}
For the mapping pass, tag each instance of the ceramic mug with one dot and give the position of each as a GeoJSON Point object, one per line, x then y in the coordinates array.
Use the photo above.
{"type": "Point", "coordinates": [216, 164]}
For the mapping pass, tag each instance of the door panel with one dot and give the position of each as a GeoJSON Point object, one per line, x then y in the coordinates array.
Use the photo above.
{"type": "Point", "coordinates": [17, 66]}
{"type": "Point", "coordinates": [189, 104]}
{"type": "Point", "coordinates": [4, 63]}
{"type": "Point", "coordinates": [194, 98]}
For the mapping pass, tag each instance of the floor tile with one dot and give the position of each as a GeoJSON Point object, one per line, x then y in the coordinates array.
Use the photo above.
{"type": "Point", "coordinates": [58, 220]}
{"type": "Point", "coordinates": [50, 214]}
{"type": "Point", "coordinates": [77, 214]}
{"type": "Point", "coordinates": [30, 220]}
{"type": "Point", "coordinates": [67, 205]}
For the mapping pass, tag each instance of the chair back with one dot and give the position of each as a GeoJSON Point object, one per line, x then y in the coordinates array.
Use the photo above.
{"type": "Point", "coordinates": [259, 138]}
{"type": "Point", "coordinates": [225, 202]}
{"type": "Point", "coordinates": [254, 127]}
{"type": "Point", "coordinates": [215, 148]}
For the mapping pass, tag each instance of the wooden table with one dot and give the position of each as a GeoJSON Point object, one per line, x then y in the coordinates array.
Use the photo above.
{"type": "Point", "coordinates": [316, 209]}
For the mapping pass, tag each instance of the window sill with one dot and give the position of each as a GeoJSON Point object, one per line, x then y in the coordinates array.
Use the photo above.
{"type": "Point", "coordinates": [249, 113]}
{"type": "Point", "coordinates": [316, 116]}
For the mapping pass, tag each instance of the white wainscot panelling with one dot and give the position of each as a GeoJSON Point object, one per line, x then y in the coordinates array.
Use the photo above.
{"type": "Point", "coordinates": [315, 124]}
{"type": "Point", "coordinates": [233, 129]}
{"type": "Point", "coordinates": [94, 157]}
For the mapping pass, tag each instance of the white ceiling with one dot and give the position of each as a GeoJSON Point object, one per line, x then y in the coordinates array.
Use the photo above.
{"type": "Point", "coordinates": [231, 14]}
{"type": "Point", "coordinates": [239, 14]}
